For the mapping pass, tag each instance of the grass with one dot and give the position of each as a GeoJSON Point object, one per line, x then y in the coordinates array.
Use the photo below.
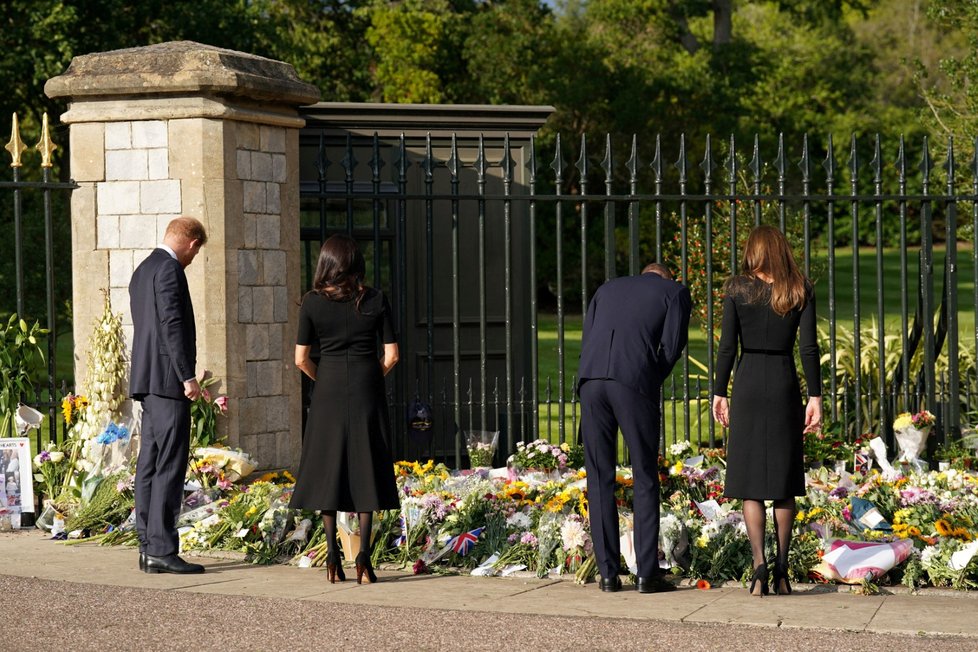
{"type": "Point", "coordinates": [697, 349]}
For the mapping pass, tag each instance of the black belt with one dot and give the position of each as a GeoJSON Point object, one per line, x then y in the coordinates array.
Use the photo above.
{"type": "Point", "coordinates": [766, 351]}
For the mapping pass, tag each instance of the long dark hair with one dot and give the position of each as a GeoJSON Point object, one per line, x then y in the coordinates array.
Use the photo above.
{"type": "Point", "coordinates": [768, 252]}
{"type": "Point", "coordinates": [340, 270]}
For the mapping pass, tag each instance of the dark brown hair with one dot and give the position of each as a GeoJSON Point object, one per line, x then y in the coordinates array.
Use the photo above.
{"type": "Point", "coordinates": [767, 252]}
{"type": "Point", "coordinates": [340, 270]}
{"type": "Point", "coordinates": [658, 268]}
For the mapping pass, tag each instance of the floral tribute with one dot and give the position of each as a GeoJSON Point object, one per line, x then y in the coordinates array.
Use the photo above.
{"type": "Point", "coordinates": [532, 515]}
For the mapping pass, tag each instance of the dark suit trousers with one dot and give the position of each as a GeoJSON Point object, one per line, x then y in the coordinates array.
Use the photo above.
{"type": "Point", "coordinates": [160, 471]}
{"type": "Point", "coordinates": [606, 406]}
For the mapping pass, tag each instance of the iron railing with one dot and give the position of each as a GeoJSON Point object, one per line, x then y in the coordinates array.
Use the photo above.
{"type": "Point", "coordinates": [591, 224]}
{"type": "Point", "coordinates": [46, 187]}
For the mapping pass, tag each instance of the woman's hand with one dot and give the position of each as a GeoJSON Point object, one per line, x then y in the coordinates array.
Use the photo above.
{"type": "Point", "coordinates": [721, 410]}
{"type": "Point", "coordinates": [391, 356]}
{"type": "Point", "coordinates": [813, 414]}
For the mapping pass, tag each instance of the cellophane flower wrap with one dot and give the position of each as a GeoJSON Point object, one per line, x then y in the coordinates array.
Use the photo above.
{"type": "Point", "coordinates": [911, 432]}
{"type": "Point", "coordinates": [481, 445]}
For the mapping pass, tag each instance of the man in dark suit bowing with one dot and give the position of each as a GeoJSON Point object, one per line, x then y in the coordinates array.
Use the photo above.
{"type": "Point", "coordinates": [634, 332]}
{"type": "Point", "coordinates": [163, 378]}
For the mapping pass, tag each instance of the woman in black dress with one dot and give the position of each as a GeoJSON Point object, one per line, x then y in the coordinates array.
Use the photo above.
{"type": "Point", "coordinates": [763, 310]}
{"type": "Point", "coordinates": [346, 463]}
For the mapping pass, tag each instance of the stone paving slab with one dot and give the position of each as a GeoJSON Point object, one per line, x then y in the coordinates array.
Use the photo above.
{"type": "Point", "coordinates": [827, 608]}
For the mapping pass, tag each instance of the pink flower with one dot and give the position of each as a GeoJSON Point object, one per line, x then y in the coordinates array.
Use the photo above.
{"type": "Point", "coordinates": [222, 404]}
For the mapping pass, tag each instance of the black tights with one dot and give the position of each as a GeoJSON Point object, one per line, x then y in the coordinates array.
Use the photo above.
{"type": "Point", "coordinates": [329, 525]}
{"type": "Point", "coordinates": [755, 519]}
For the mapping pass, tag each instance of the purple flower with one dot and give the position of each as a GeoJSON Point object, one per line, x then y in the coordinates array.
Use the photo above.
{"type": "Point", "coordinates": [839, 492]}
{"type": "Point", "coordinates": [528, 538]}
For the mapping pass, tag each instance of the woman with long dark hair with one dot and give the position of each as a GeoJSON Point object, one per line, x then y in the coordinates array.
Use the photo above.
{"type": "Point", "coordinates": [764, 309]}
{"type": "Point", "coordinates": [346, 463]}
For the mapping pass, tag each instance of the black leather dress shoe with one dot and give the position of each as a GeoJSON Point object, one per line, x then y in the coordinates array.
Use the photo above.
{"type": "Point", "coordinates": [142, 561]}
{"type": "Point", "coordinates": [654, 584]}
{"type": "Point", "coordinates": [171, 564]}
{"type": "Point", "coordinates": [610, 584]}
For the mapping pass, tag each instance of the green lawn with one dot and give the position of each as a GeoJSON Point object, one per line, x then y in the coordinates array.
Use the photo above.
{"type": "Point", "coordinates": [697, 349]}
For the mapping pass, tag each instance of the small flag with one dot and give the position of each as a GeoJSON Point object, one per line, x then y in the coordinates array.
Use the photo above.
{"type": "Point", "coordinates": [402, 540]}
{"type": "Point", "coordinates": [464, 542]}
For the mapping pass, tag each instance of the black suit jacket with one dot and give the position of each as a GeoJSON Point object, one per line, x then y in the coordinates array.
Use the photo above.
{"type": "Point", "coordinates": [164, 342]}
{"type": "Point", "coordinates": [634, 332]}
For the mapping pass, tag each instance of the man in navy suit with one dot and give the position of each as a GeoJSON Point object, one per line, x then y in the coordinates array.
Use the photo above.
{"type": "Point", "coordinates": [164, 380]}
{"type": "Point", "coordinates": [634, 332]}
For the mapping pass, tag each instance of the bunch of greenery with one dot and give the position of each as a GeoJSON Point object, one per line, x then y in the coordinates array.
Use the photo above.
{"type": "Point", "coordinates": [20, 359]}
{"type": "Point", "coordinates": [111, 503]}
{"type": "Point", "coordinates": [828, 445]}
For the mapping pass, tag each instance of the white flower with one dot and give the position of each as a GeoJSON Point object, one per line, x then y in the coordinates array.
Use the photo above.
{"type": "Point", "coordinates": [927, 556]}
{"type": "Point", "coordinates": [680, 448]}
{"type": "Point", "coordinates": [572, 534]}
{"type": "Point", "coordinates": [57, 456]}
{"type": "Point", "coordinates": [519, 521]}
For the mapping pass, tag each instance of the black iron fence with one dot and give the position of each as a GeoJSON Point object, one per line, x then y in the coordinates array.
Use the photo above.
{"type": "Point", "coordinates": [883, 228]}
{"type": "Point", "coordinates": [30, 268]}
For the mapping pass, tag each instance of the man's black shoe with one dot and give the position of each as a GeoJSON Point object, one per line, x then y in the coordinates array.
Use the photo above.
{"type": "Point", "coordinates": [142, 561]}
{"type": "Point", "coordinates": [654, 584]}
{"type": "Point", "coordinates": [170, 564]}
{"type": "Point", "coordinates": [610, 584]}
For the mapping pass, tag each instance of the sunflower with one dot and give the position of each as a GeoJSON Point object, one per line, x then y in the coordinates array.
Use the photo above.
{"type": "Point", "coordinates": [943, 528]}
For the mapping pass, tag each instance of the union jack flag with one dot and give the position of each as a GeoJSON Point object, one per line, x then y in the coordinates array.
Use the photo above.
{"type": "Point", "coordinates": [402, 540]}
{"type": "Point", "coordinates": [464, 542]}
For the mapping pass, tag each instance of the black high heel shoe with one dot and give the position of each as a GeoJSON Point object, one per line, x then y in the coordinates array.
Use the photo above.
{"type": "Point", "coordinates": [334, 568]}
{"type": "Point", "coordinates": [364, 569]}
{"type": "Point", "coordinates": [760, 575]}
{"type": "Point", "coordinates": [781, 585]}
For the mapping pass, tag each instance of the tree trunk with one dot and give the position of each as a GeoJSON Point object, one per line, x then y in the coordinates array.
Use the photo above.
{"type": "Point", "coordinates": [722, 22]}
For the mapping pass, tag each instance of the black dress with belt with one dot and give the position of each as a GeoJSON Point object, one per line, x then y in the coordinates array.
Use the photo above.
{"type": "Point", "coordinates": [346, 461]}
{"type": "Point", "coordinates": [765, 453]}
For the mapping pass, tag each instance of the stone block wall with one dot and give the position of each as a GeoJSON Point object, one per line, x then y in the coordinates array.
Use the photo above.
{"type": "Point", "coordinates": [219, 142]}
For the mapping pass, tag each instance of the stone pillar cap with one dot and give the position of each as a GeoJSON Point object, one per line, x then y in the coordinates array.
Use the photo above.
{"type": "Point", "coordinates": [181, 68]}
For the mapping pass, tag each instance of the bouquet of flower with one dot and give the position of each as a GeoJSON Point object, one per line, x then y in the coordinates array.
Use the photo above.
{"type": "Point", "coordinates": [116, 441]}
{"type": "Point", "coordinates": [544, 456]}
{"type": "Point", "coordinates": [920, 420]}
{"type": "Point", "coordinates": [482, 446]}
{"type": "Point", "coordinates": [51, 468]}
{"type": "Point", "coordinates": [232, 464]}
{"type": "Point", "coordinates": [911, 431]}
{"type": "Point", "coordinates": [204, 412]}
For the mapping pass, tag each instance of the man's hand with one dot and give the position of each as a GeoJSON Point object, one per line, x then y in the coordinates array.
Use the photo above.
{"type": "Point", "coordinates": [721, 410]}
{"type": "Point", "coordinates": [191, 389]}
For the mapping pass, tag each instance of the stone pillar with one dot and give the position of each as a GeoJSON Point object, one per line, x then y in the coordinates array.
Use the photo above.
{"type": "Point", "coordinates": [189, 129]}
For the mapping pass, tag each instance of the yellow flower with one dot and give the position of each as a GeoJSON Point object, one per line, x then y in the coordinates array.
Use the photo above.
{"type": "Point", "coordinates": [251, 511]}
{"type": "Point", "coordinates": [900, 515]}
{"type": "Point", "coordinates": [702, 542]}
{"type": "Point", "coordinates": [288, 476]}
{"type": "Point", "coordinates": [942, 527]}
{"type": "Point", "coordinates": [903, 420]}
{"type": "Point", "coordinates": [800, 516]}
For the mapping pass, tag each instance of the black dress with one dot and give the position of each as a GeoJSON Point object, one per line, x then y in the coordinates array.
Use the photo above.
{"type": "Point", "coordinates": [765, 458]}
{"type": "Point", "coordinates": [346, 461]}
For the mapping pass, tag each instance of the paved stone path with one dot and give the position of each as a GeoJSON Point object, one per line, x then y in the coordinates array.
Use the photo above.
{"type": "Point", "coordinates": [57, 597]}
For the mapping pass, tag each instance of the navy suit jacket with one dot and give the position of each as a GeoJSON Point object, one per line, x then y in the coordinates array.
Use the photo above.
{"type": "Point", "coordinates": [634, 332]}
{"type": "Point", "coordinates": [164, 342]}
